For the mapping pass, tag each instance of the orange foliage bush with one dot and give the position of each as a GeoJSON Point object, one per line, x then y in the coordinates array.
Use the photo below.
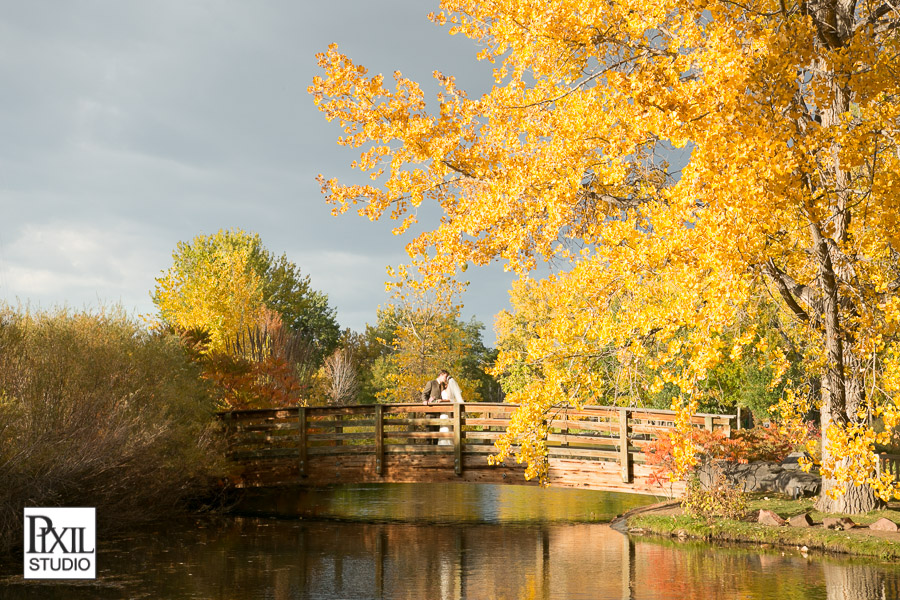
{"type": "Point", "coordinates": [244, 384]}
{"type": "Point", "coordinates": [745, 445]}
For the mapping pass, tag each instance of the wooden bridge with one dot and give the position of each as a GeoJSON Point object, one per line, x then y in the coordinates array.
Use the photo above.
{"type": "Point", "coordinates": [596, 447]}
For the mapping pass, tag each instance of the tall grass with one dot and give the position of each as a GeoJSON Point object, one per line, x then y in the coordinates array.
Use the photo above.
{"type": "Point", "coordinates": [97, 411]}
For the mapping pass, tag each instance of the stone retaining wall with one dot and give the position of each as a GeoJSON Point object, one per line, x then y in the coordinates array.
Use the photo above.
{"type": "Point", "coordinates": [784, 478]}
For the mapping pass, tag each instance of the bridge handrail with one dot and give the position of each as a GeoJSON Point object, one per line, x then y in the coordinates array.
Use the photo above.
{"type": "Point", "coordinates": [350, 408]}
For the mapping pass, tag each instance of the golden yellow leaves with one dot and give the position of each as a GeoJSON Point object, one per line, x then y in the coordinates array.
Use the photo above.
{"type": "Point", "coordinates": [212, 286]}
{"type": "Point", "coordinates": [852, 461]}
{"type": "Point", "coordinates": [561, 161]}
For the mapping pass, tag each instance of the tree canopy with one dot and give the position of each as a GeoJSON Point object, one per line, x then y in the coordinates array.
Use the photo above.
{"type": "Point", "coordinates": [420, 335]}
{"type": "Point", "coordinates": [787, 114]}
{"type": "Point", "coordinates": [224, 284]}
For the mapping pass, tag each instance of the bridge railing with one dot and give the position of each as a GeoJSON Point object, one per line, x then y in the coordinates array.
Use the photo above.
{"type": "Point", "coordinates": [889, 463]}
{"type": "Point", "coordinates": [592, 433]}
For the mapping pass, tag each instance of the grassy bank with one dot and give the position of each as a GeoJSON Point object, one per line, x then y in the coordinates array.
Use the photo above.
{"type": "Point", "coordinates": [97, 411]}
{"type": "Point", "coordinates": [859, 541]}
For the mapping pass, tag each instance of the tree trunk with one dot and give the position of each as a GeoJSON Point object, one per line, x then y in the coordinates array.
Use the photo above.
{"type": "Point", "coordinates": [856, 500]}
{"type": "Point", "coordinates": [843, 392]}
{"type": "Point", "coordinates": [852, 582]}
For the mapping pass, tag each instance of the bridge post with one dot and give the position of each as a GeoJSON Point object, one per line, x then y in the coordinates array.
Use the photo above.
{"type": "Point", "coordinates": [625, 460]}
{"type": "Point", "coordinates": [303, 440]}
{"type": "Point", "coordinates": [708, 422]}
{"type": "Point", "coordinates": [457, 438]}
{"type": "Point", "coordinates": [379, 439]}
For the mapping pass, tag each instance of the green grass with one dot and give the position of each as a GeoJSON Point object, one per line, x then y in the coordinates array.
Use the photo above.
{"type": "Point", "coordinates": [787, 508]}
{"type": "Point", "coordinates": [856, 542]}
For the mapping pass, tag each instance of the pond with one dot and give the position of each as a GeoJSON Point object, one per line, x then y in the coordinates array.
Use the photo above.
{"type": "Point", "coordinates": [444, 541]}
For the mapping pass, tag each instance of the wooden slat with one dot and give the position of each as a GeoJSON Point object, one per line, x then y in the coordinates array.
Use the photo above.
{"type": "Point", "coordinates": [379, 439]}
{"type": "Point", "coordinates": [563, 452]}
{"type": "Point", "coordinates": [394, 409]}
{"type": "Point", "coordinates": [318, 412]}
{"type": "Point", "coordinates": [423, 421]}
{"type": "Point", "coordinates": [333, 437]}
{"type": "Point", "coordinates": [582, 440]}
{"type": "Point", "coordinates": [483, 435]}
{"type": "Point", "coordinates": [267, 426]}
{"type": "Point", "coordinates": [326, 450]}
{"type": "Point", "coordinates": [264, 454]}
{"type": "Point", "coordinates": [624, 455]}
{"type": "Point", "coordinates": [348, 423]}
{"type": "Point", "coordinates": [418, 435]}
{"type": "Point", "coordinates": [485, 407]}
{"type": "Point", "coordinates": [457, 438]}
{"type": "Point", "coordinates": [584, 425]}
{"type": "Point", "coordinates": [589, 414]}
{"type": "Point", "coordinates": [479, 449]}
{"type": "Point", "coordinates": [485, 422]}
{"type": "Point", "coordinates": [417, 449]}
{"type": "Point", "coordinates": [304, 443]}
{"type": "Point", "coordinates": [259, 412]}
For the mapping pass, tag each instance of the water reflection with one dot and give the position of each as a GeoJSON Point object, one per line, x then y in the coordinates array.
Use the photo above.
{"type": "Point", "coordinates": [282, 559]}
{"type": "Point", "coordinates": [442, 503]}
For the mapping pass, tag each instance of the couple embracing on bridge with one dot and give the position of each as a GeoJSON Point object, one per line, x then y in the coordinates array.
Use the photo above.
{"type": "Point", "coordinates": [443, 388]}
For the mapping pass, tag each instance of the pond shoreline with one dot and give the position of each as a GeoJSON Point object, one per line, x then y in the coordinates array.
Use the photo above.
{"type": "Point", "coordinates": [667, 519]}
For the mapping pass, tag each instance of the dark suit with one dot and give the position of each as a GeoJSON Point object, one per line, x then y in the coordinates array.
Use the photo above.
{"type": "Point", "coordinates": [431, 391]}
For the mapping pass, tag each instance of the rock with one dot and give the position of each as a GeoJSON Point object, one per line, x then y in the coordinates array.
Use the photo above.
{"type": "Point", "coordinates": [883, 524]}
{"type": "Point", "coordinates": [751, 517]}
{"type": "Point", "coordinates": [767, 517]}
{"type": "Point", "coordinates": [797, 484]}
{"type": "Point", "coordinates": [760, 477]}
{"type": "Point", "coordinates": [792, 460]}
{"type": "Point", "coordinates": [803, 520]}
{"type": "Point", "coordinates": [842, 523]}
{"type": "Point", "coordinates": [848, 523]}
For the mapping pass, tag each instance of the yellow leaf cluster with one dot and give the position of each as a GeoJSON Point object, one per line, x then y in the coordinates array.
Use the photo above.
{"type": "Point", "coordinates": [212, 287]}
{"type": "Point", "coordinates": [788, 181]}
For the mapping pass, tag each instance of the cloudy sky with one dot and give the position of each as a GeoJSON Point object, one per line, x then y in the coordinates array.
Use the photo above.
{"type": "Point", "coordinates": [126, 127]}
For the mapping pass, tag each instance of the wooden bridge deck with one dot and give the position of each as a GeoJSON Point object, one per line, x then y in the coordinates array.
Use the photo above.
{"type": "Point", "coordinates": [599, 448]}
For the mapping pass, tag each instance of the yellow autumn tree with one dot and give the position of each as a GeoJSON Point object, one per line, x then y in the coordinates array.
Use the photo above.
{"type": "Point", "coordinates": [227, 283]}
{"type": "Point", "coordinates": [213, 286]}
{"type": "Point", "coordinates": [424, 336]}
{"type": "Point", "coordinates": [787, 115]}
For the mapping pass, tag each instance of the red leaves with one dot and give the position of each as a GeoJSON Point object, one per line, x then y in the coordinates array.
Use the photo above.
{"type": "Point", "coordinates": [745, 445]}
{"type": "Point", "coordinates": [242, 383]}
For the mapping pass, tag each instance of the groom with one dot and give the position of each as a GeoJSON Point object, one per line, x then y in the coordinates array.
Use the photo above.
{"type": "Point", "coordinates": [432, 390]}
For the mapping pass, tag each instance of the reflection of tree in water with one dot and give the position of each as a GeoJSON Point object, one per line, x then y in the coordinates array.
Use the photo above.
{"type": "Point", "coordinates": [695, 571]}
{"type": "Point", "coordinates": [690, 570]}
{"type": "Point", "coordinates": [289, 559]}
{"type": "Point", "coordinates": [858, 582]}
{"type": "Point", "coordinates": [442, 503]}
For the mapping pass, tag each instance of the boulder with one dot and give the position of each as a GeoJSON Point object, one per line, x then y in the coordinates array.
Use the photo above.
{"type": "Point", "coordinates": [840, 523]}
{"type": "Point", "coordinates": [760, 477]}
{"type": "Point", "coordinates": [803, 520]}
{"type": "Point", "coordinates": [797, 484]}
{"type": "Point", "coordinates": [792, 460]}
{"type": "Point", "coordinates": [767, 517]}
{"type": "Point", "coordinates": [883, 524]}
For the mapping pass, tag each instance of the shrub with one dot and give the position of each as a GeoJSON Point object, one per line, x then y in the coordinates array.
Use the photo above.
{"type": "Point", "coordinates": [96, 411]}
{"type": "Point", "coordinates": [745, 445]}
{"type": "Point", "coordinates": [720, 500]}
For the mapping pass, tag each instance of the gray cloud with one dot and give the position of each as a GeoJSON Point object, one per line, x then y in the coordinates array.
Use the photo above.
{"type": "Point", "coordinates": [127, 127]}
